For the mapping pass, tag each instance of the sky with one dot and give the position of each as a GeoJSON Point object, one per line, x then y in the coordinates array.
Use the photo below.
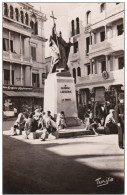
{"type": "Point", "coordinates": [60, 11]}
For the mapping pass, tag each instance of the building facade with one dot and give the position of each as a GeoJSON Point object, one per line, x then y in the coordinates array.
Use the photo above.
{"type": "Point", "coordinates": [97, 58]}
{"type": "Point", "coordinates": [23, 56]}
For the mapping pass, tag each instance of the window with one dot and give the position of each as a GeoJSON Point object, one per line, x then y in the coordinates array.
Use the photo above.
{"type": "Point", "coordinates": [75, 47]}
{"type": "Point", "coordinates": [35, 80]}
{"type": "Point", "coordinates": [36, 28]}
{"type": "Point", "coordinates": [103, 7]}
{"type": "Point", "coordinates": [103, 66]}
{"type": "Point", "coordinates": [88, 17]}
{"type": "Point", "coordinates": [32, 26]}
{"type": "Point", "coordinates": [43, 77]}
{"type": "Point", "coordinates": [73, 27]}
{"type": "Point", "coordinates": [121, 62]}
{"type": "Point", "coordinates": [16, 14]}
{"type": "Point", "coordinates": [88, 69]}
{"type": "Point", "coordinates": [74, 74]}
{"type": "Point", "coordinates": [79, 71]}
{"type": "Point", "coordinates": [33, 53]}
{"type": "Point", "coordinates": [11, 12]}
{"type": "Point", "coordinates": [22, 17]}
{"type": "Point", "coordinates": [5, 9]}
{"type": "Point", "coordinates": [120, 29]}
{"type": "Point", "coordinates": [26, 15]}
{"type": "Point", "coordinates": [77, 26]}
{"type": "Point", "coordinates": [102, 36]}
{"type": "Point", "coordinates": [5, 44]}
{"type": "Point", "coordinates": [87, 45]}
{"type": "Point", "coordinates": [11, 45]}
{"type": "Point", "coordinates": [7, 77]}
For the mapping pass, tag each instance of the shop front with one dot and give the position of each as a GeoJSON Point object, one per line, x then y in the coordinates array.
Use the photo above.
{"type": "Point", "coordinates": [20, 99]}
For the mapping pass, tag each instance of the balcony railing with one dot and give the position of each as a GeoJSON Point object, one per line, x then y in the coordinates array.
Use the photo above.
{"type": "Point", "coordinates": [16, 57]}
{"type": "Point", "coordinates": [110, 45]}
{"type": "Point", "coordinates": [99, 47]}
{"type": "Point", "coordinates": [116, 77]}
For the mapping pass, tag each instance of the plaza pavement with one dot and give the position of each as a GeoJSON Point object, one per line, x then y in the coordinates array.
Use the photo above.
{"type": "Point", "coordinates": [62, 166]}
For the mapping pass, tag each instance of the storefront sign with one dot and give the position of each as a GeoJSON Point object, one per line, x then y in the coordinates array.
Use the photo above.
{"type": "Point", "coordinates": [17, 88]}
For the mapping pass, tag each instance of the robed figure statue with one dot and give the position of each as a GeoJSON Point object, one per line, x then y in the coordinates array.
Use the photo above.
{"type": "Point", "coordinates": [59, 51]}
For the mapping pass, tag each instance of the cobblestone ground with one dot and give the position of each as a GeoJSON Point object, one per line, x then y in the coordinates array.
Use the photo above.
{"type": "Point", "coordinates": [63, 166]}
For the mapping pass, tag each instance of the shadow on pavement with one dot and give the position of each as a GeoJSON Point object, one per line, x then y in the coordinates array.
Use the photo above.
{"type": "Point", "coordinates": [35, 169]}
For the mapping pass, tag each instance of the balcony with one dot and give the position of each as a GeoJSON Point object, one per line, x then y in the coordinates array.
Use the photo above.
{"type": "Point", "coordinates": [16, 58]}
{"type": "Point", "coordinates": [107, 46]}
{"type": "Point", "coordinates": [114, 78]}
{"type": "Point", "coordinates": [98, 49]}
{"type": "Point", "coordinates": [75, 56]}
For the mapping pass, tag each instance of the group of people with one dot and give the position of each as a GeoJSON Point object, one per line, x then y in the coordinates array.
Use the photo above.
{"type": "Point", "coordinates": [110, 116]}
{"type": "Point", "coordinates": [39, 120]}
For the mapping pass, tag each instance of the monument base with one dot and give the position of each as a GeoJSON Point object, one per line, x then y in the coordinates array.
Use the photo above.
{"type": "Point", "coordinates": [73, 121]}
{"type": "Point", "coordinates": [60, 95]}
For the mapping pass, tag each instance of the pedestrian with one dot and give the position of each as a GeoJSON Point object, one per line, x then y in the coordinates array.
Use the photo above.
{"type": "Point", "coordinates": [19, 123]}
{"type": "Point", "coordinates": [110, 123]}
{"type": "Point", "coordinates": [119, 117]}
{"type": "Point", "coordinates": [81, 112]}
{"type": "Point", "coordinates": [49, 126]}
{"type": "Point", "coordinates": [28, 125]}
{"type": "Point", "coordinates": [91, 123]}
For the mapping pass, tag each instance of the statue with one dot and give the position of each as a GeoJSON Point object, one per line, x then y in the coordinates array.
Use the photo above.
{"type": "Point", "coordinates": [59, 51]}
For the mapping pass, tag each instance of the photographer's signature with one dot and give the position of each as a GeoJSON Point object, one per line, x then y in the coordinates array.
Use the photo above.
{"type": "Point", "coordinates": [102, 182]}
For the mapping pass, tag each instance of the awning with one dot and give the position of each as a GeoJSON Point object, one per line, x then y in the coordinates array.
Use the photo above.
{"type": "Point", "coordinates": [23, 94]}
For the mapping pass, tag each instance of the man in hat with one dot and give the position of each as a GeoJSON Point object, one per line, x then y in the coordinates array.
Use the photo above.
{"type": "Point", "coordinates": [119, 117]}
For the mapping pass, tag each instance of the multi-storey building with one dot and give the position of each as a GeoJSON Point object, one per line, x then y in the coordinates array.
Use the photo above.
{"type": "Point", "coordinates": [23, 56]}
{"type": "Point", "coordinates": [97, 57]}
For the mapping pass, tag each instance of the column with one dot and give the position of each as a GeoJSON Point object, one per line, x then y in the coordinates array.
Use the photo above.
{"type": "Point", "coordinates": [9, 42]}
{"type": "Point", "coordinates": [105, 32]}
{"type": "Point", "coordinates": [20, 44]}
{"type": "Point", "coordinates": [31, 75]}
{"type": "Point", "coordinates": [21, 76]}
{"type": "Point", "coordinates": [106, 62]}
{"type": "Point", "coordinates": [90, 38]}
{"type": "Point", "coordinates": [90, 66]}
{"type": "Point", "coordinates": [29, 48]}
{"type": "Point", "coordinates": [3, 76]}
{"type": "Point", "coordinates": [10, 74]}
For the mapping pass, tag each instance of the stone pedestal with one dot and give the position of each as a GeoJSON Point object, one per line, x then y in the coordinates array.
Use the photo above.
{"type": "Point", "coordinates": [59, 95]}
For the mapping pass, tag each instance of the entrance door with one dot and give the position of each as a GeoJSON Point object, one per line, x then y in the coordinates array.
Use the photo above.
{"type": "Point", "coordinates": [99, 94]}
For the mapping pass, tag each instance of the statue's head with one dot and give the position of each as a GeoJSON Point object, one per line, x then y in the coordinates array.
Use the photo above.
{"type": "Point", "coordinates": [60, 34]}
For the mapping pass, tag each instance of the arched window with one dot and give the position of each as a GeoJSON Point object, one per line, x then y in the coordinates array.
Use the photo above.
{"type": "Point", "coordinates": [102, 7]}
{"type": "Point", "coordinates": [88, 17]}
{"type": "Point", "coordinates": [36, 28]}
{"type": "Point", "coordinates": [27, 19]}
{"type": "Point", "coordinates": [77, 26]}
{"type": "Point", "coordinates": [73, 27]}
{"type": "Point", "coordinates": [22, 16]}
{"type": "Point", "coordinates": [5, 9]}
{"type": "Point", "coordinates": [32, 26]}
{"type": "Point", "coordinates": [16, 14]}
{"type": "Point", "coordinates": [74, 74]}
{"type": "Point", "coordinates": [79, 71]}
{"type": "Point", "coordinates": [11, 12]}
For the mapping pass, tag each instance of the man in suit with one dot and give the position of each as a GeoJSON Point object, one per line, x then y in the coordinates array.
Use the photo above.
{"type": "Point", "coordinates": [119, 118]}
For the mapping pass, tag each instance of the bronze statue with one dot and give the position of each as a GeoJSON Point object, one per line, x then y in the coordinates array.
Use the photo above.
{"type": "Point", "coordinates": [59, 51]}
